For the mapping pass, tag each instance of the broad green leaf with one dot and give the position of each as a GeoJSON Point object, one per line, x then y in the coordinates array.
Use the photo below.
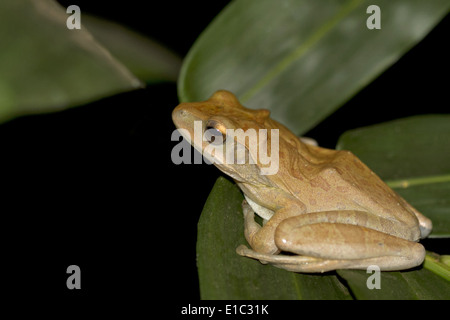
{"type": "Point", "coordinates": [420, 284]}
{"type": "Point", "coordinates": [45, 67]}
{"type": "Point", "coordinates": [433, 200]}
{"type": "Point", "coordinates": [438, 264]}
{"type": "Point", "coordinates": [402, 149]}
{"type": "Point", "coordinates": [145, 58]}
{"type": "Point", "coordinates": [302, 59]}
{"type": "Point", "coordinates": [413, 156]}
{"type": "Point", "coordinates": [225, 275]}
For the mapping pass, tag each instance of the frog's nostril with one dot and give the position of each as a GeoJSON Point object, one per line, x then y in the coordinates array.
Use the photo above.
{"type": "Point", "coordinates": [181, 113]}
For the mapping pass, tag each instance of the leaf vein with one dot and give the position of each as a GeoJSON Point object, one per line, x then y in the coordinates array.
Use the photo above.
{"type": "Point", "coordinates": [301, 49]}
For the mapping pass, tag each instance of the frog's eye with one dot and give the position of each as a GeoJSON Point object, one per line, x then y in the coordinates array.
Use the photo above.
{"type": "Point", "coordinates": [214, 133]}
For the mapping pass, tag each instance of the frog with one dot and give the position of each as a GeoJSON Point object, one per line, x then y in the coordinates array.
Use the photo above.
{"type": "Point", "coordinates": [323, 209]}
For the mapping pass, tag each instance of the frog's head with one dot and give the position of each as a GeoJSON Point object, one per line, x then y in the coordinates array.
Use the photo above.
{"type": "Point", "coordinates": [226, 133]}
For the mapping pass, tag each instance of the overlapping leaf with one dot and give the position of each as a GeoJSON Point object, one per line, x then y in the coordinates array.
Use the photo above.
{"type": "Point", "coordinates": [301, 59]}
{"type": "Point", "coordinates": [44, 66]}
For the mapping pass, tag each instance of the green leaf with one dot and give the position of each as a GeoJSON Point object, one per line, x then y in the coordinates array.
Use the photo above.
{"type": "Point", "coordinates": [47, 67]}
{"type": "Point", "coordinates": [438, 265]}
{"type": "Point", "coordinates": [413, 156]}
{"type": "Point", "coordinates": [223, 274]}
{"type": "Point", "coordinates": [420, 284]}
{"type": "Point", "coordinates": [148, 60]}
{"type": "Point", "coordinates": [302, 59]}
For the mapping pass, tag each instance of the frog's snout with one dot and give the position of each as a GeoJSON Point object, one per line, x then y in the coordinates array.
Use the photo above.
{"type": "Point", "coordinates": [179, 114]}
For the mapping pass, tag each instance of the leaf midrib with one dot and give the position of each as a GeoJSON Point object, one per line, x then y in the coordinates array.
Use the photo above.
{"type": "Point", "coordinates": [416, 181]}
{"type": "Point", "coordinates": [301, 49]}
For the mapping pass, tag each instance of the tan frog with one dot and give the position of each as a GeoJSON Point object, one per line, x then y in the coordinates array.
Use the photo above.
{"type": "Point", "coordinates": [323, 207]}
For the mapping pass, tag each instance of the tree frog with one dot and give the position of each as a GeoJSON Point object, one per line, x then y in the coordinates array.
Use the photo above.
{"type": "Point", "coordinates": [322, 210]}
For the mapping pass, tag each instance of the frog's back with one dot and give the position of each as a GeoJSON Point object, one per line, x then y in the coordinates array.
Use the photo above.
{"type": "Point", "coordinates": [337, 180]}
{"type": "Point", "coordinates": [366, 189]}
{"type": "Point", "coordinates": [326, 179]}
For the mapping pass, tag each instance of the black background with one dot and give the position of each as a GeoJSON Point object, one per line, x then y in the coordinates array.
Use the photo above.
{"type": "Point", "coordinates": [95, 186]}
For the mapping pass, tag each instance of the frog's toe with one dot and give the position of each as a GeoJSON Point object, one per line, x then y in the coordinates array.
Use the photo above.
{"type": "Point", "coordinates": [241, 250]}
{"type": "Point", "coordinates": [294, 263]}
{"type": "Point", "coordinates": [246, 208]}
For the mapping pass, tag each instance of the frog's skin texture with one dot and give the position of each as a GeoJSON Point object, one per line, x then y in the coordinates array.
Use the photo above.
{"type": "Point", "coordinates": [324, 207]}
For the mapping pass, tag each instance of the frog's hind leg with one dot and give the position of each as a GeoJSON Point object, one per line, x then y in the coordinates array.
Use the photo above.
{"type": "Point", "coordinates": [293, 263]}
{"type": "Point", "coordinates": [343, 246]}
{"type": "Point", "coordinates": [305, 264]}
{"type": "Point", "coordinates": [325, 241]}
{"type": "Point", "coordinates": [425, 224]}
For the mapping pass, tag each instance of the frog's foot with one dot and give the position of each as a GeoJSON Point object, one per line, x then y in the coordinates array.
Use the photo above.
{"type": "Point", "coordinates": [305, 264]}
{"type": "Point", "coordinates": [251, 227]}
{"type": "Point", "coordinates": [260, 241]}
{"type": "Point", "coordinates": [295, 263]}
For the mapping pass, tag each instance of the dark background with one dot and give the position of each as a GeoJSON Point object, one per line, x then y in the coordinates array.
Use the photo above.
{"type": "Point", "coordinates": [95, 186]}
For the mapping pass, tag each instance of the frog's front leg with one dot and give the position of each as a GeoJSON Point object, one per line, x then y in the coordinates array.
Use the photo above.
{"type": "Point", "coordinates": [262, 239]}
